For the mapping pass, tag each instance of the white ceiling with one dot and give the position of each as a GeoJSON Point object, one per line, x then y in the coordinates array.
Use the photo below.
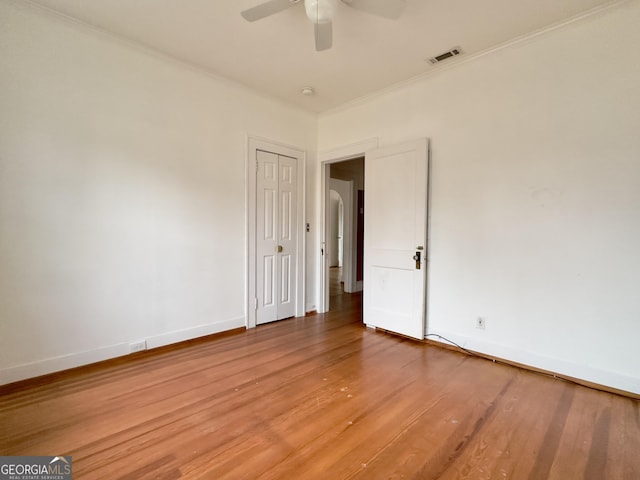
{"type": "Point", "coordinates": [276, 55]}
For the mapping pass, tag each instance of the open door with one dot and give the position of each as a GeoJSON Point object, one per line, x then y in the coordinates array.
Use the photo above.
{"type": "Point", "coordinates": [395, 241]}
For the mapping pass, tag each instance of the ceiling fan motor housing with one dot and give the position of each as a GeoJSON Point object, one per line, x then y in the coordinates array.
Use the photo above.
{"type": "Point", "coordinates": [320, 11]}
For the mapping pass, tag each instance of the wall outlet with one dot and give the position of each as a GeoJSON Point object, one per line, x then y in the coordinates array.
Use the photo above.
{"type": "Point", "coordinates": [137, 346]}
{"type": "Point", "coordinates": [481, 323]}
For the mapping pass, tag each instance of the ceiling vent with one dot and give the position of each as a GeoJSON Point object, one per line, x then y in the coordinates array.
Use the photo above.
{"type": "Point", "coordinates": [446, 55]}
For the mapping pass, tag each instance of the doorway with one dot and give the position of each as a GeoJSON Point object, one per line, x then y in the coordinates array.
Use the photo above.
{"type": "Point", "coordinates": [344, 228]}
{"type": "Point", "coordinates": [345, 164]}
{"type": "Point", "coordinates": [396, 245]}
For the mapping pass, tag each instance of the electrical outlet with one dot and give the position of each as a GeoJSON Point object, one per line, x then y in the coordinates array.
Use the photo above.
{"type": "Point", "coordinates": [137, 346]}
{"type": "Point", "coordinates": [481, 323]}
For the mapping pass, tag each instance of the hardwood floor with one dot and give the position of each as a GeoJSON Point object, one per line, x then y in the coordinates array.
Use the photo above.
{"type": "Point", "coordinates": [320, 397]}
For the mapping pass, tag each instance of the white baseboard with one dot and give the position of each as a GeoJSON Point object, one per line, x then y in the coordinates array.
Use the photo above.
{"type": "Point", "coordinates": [194, 332]}
{"type": "Point", "coordinates": [65, 362]}
{"type": "Point", "coordinates": [562, 367]}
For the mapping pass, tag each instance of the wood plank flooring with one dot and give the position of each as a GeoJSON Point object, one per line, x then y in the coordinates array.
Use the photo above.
{"type": "Point", "coordinates": [320, 397]}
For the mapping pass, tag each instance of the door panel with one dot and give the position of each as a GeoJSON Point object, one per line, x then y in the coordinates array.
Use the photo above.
{"type": "Point", "coordinates": [268, 281]}
{"type": "Point", "coordinates": [269, 214]}
{"type": "Point", "coordinates": [395, 229]}
{"type": "Point", "coordinates": [285, 285]}
{"type": "Point", "coordinates": [288, 236]}
{"type": "Point", "coordinates": [266, 233]}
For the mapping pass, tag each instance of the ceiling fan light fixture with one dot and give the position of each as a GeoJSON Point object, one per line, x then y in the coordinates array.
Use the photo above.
{"type": "Point", "coordinates": [320, 11]}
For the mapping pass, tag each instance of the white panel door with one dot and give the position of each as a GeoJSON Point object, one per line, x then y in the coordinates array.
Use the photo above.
{"type": "Point", "coordinates": [276, 236]}
{"type": "Point", "coordinates": [395, 233]}
{"type": "Point", "coordinates": [287, 237]}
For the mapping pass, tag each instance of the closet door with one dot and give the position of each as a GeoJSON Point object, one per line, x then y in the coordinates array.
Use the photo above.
{"type": "Point", "coordinates": [276, 233]}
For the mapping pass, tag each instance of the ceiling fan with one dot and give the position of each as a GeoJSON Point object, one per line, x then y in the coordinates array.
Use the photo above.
{"type": "Point", "coordinates": [321, 13]}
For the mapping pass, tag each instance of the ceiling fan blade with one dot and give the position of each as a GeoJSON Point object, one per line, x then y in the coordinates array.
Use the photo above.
{"type": "Point", "coordinates": [382, 8]}
{"type": "Point", "coordinates": [267, 8]}
{"type": "Point", "coordinates": [324, 36]}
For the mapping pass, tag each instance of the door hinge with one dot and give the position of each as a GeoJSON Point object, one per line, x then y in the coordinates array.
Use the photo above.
{"type": "Point", "coordinates": [255, 304]}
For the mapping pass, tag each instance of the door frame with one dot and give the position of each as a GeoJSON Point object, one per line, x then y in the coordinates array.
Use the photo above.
{"type": "Point", "coordinates": [326, 158]}
{"type": "Point", "coordinates": [254, 144]}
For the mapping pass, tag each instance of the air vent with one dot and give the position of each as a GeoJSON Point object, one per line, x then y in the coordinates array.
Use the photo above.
{"type": "Point", "coordinates": [444, 56]}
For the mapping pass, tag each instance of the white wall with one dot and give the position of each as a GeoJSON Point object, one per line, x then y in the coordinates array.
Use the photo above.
{"type": "Point", "coordinates": [535, 200]}
{"type": "Point", "coordinates": [122, 194]}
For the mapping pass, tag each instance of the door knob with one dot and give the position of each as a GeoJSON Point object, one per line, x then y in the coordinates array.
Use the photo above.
{"type": "Point", "coordinates": [279, 249]}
